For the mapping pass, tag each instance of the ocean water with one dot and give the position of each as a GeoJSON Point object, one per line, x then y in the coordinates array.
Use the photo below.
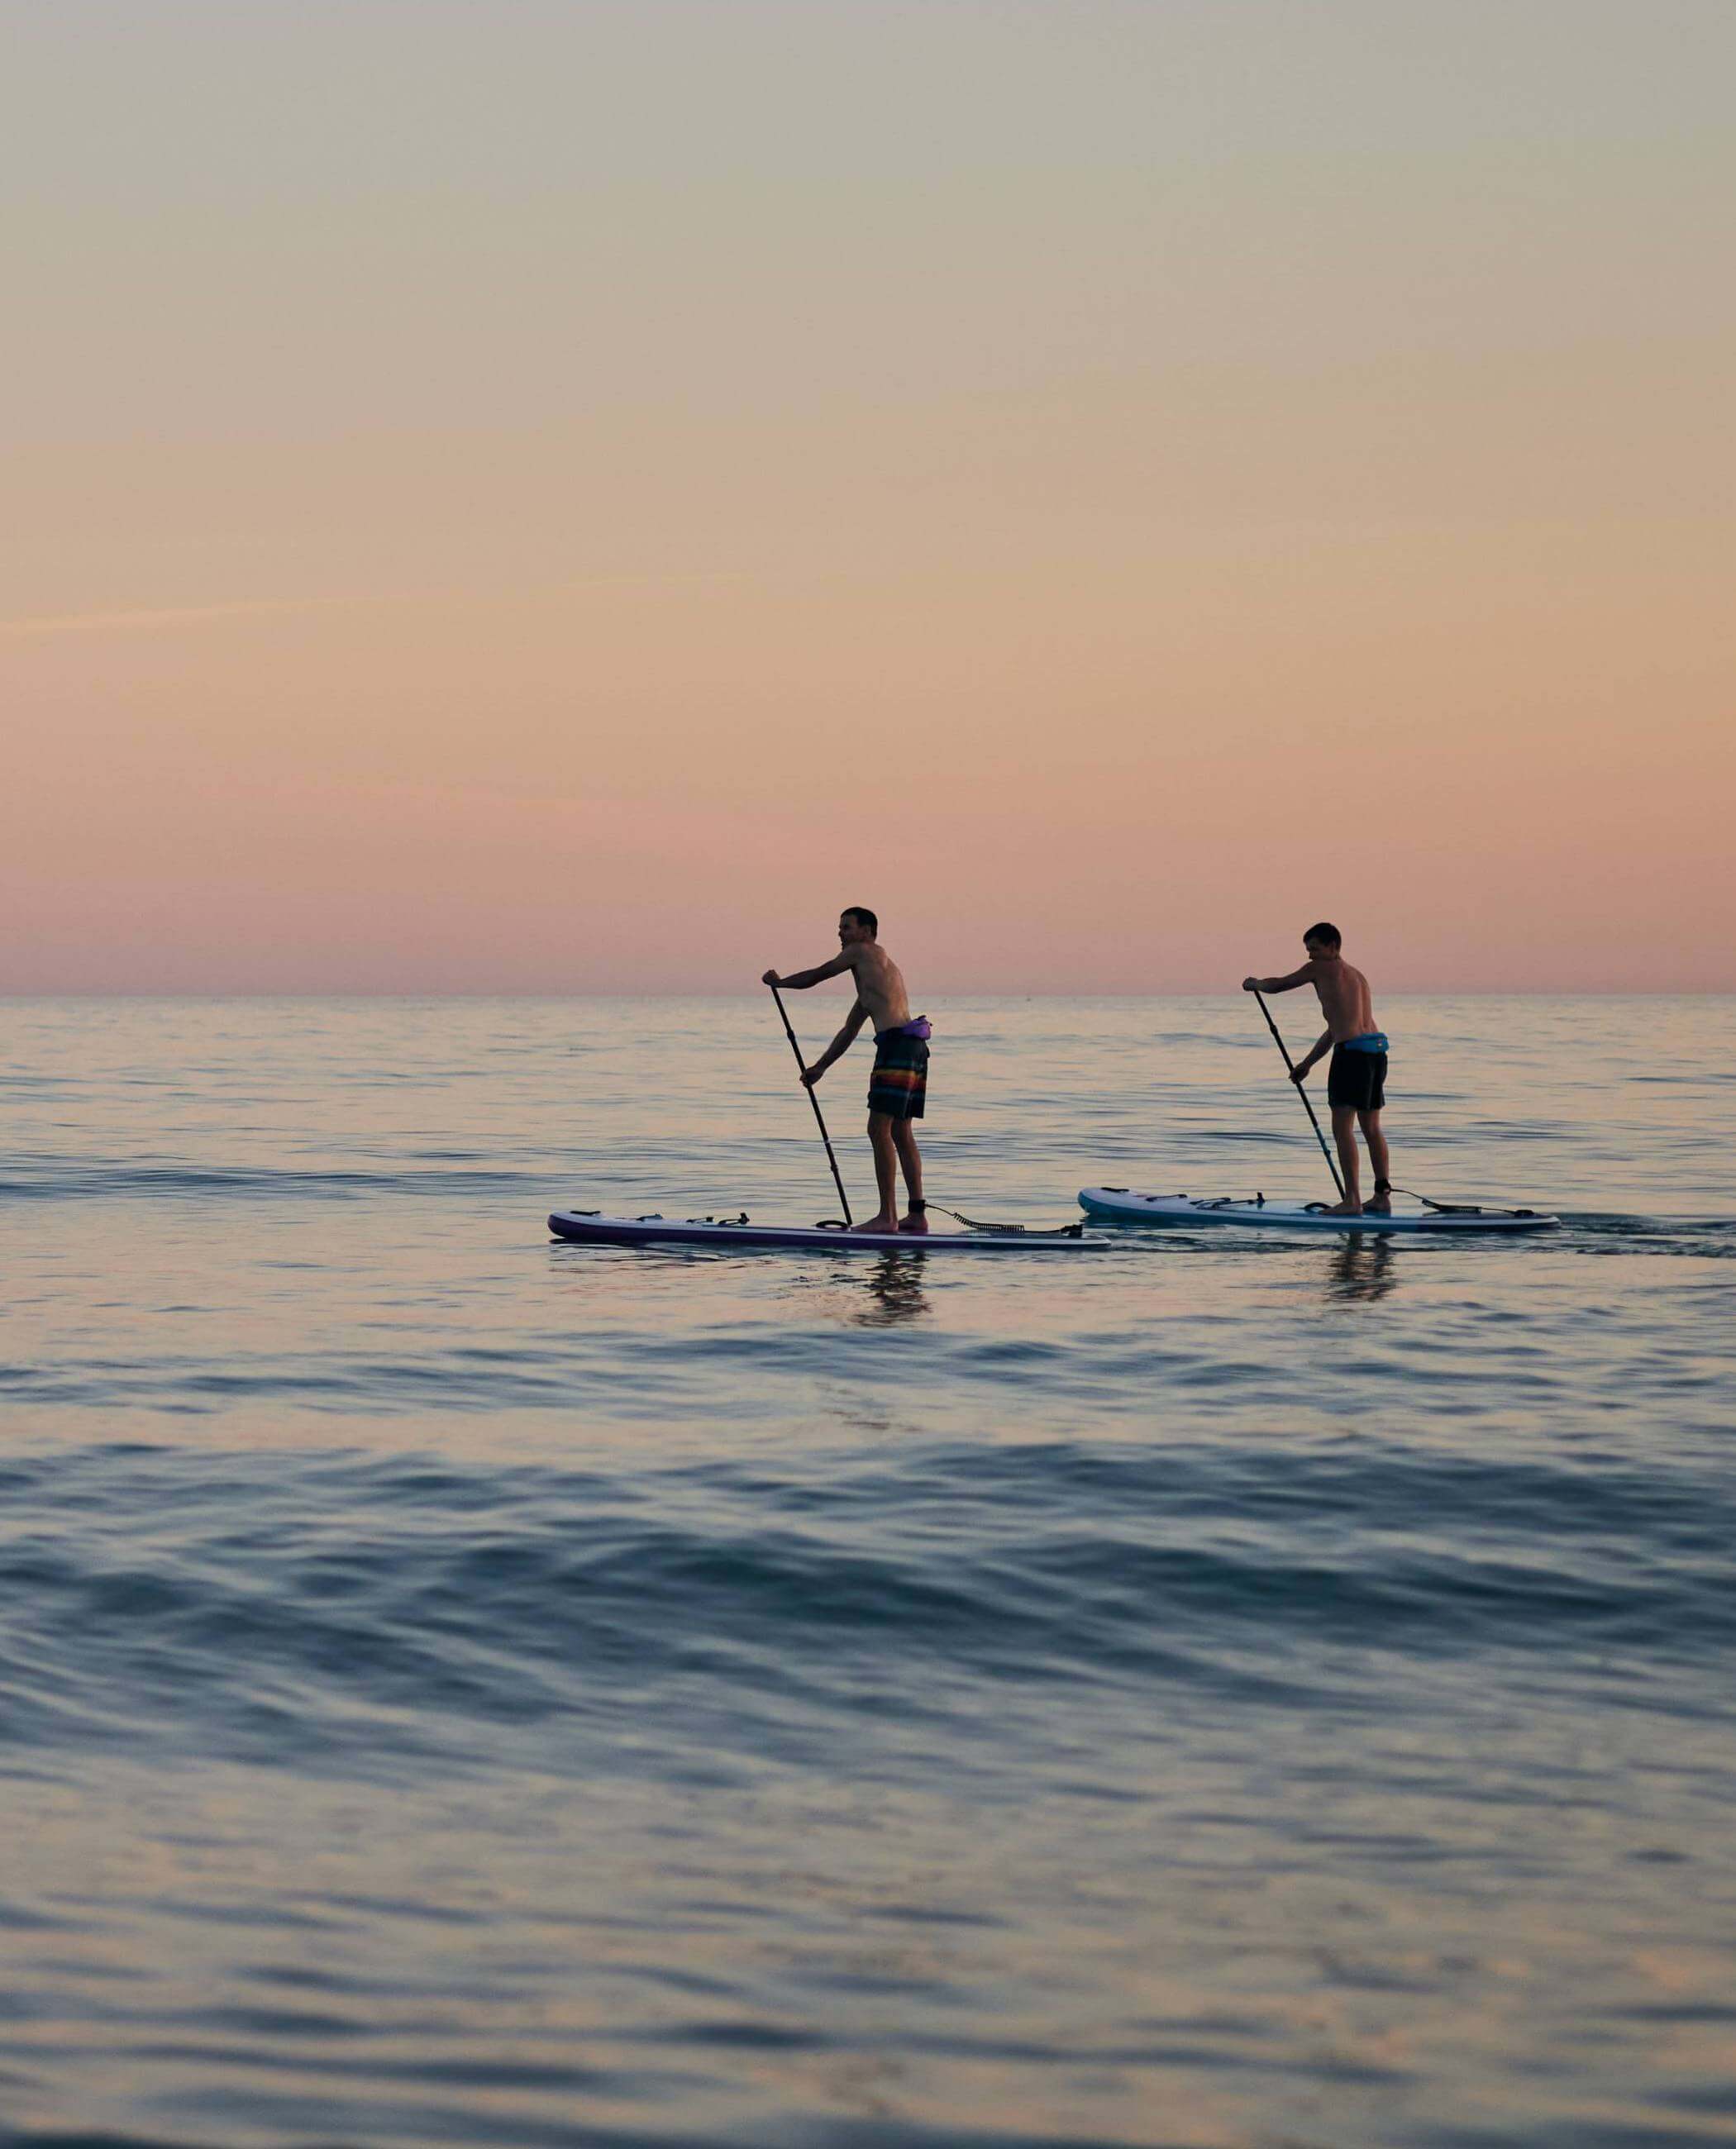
{"type": "Point", "coordinates": [460, 1689]}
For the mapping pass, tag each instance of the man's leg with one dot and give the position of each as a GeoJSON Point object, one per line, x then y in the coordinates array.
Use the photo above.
{"type": "Point", "coordinates": [903, 1134]}
{"type": "Point", "coordinates": [1344, 1134]}
{"type": "Point", "coordinates": [1369, 1122]}
{"type": "Point", "coordinates": [886, 1173]}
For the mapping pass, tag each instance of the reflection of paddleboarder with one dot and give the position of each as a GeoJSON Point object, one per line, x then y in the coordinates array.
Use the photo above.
{"type": "Point", "coordinates": [897, 1086]}
{"type": "Point", "coordinates": [1356, 1081]}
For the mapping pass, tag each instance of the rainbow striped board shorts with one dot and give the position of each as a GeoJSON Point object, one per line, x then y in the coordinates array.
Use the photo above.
{"type": "Point", "coordinates": [900, 1079]}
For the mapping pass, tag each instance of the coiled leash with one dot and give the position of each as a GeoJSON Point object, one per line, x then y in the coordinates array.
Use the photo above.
{"type": "Point", "coordinates": [1007, 1230]}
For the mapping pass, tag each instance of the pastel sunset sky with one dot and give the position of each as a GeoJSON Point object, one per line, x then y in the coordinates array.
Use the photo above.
{"type": "Point", "coordinates": [561, 497]}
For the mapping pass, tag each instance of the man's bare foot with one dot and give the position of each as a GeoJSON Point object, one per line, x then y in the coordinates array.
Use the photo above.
{"type": "Point", "coordinates": [918, 1221]}
{"type": "Point", "coordinates": [1344, 1208]}
{"type": "Point", "coordinates": [883, 1222]}
{"type": "Point", "coordinates": [1378, 1205]}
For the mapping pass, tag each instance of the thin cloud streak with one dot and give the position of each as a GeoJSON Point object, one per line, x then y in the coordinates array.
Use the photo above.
{"type": "Point", "coordinates": [127, 620]}
{"type": "Point", "coordinates": [106, 623]}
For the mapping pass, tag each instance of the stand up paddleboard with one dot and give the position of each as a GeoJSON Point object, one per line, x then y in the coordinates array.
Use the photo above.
{"type": "Point", "coordinates": [1117, 1205]}
{"type": "Point", "coordinates": [590, 1227]}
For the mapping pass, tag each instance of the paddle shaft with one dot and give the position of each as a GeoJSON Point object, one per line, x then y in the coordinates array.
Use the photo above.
{"type": "Point", "coordinates": [1307, 1101]}
{"type": "Point", "coordinates": [837, 1176]}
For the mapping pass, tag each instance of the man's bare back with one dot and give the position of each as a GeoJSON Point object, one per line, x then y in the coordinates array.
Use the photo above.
{"type": "Point", "coordinates": [879, 987]}
{"type": "Point", "coordinates": [1345, 998]}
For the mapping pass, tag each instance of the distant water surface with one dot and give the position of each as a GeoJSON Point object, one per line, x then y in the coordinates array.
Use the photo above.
{"type": "Point", "coordinates": [456, 1688]}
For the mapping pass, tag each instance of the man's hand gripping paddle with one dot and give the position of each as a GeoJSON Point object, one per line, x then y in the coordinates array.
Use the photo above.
{"type": "Point", "coordinates": [820, 1123]}
{"type": "Point", "coordinates": [1307, 1102]}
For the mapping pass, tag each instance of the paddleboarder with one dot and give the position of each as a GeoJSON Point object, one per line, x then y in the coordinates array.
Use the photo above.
{"type": "Point", "coordinates": [1356, 1081]}
{"type": "Point", "coordinates": [899, 1081]}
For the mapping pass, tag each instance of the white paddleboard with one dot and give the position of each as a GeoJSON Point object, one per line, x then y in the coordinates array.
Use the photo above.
{"type": "Point", "coordinates": [590, 1227]}
{"type": "Point", "coordinates": [1119, 1204]}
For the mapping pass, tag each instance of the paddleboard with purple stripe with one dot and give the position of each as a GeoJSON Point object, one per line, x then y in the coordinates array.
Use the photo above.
{"type": "Point", "coordinates": [588, 1227]}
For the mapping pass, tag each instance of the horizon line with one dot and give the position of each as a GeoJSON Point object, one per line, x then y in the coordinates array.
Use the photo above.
{"type": "Point", "coordinates": [742, 993]}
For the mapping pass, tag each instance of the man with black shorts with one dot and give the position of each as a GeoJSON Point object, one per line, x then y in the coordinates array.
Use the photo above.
{"type": "Point", "coordinates": [1356, 1081]}
{"type": "Point", "coordinates": [899, 1085]}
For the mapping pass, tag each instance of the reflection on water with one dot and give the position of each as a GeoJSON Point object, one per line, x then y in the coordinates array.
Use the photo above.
{"type": "Point", "coordinates": [1362, 1267]}
{"type": "Point", "coordinates": [894, 1289]}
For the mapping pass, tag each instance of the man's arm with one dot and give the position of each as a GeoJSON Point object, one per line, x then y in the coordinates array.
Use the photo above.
{"type": "Point", "coordinates": [1305, 976]}
{"type": "Point", "coordinates": [798, 981]}
{"type": "Point", "coordinates": [1323, 1046]}
{"type": "Point", "coordinates": [839, 1045]}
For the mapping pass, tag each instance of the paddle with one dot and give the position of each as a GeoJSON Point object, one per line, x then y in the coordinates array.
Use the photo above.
{"type": "Point", "coordinates": [813, 1100]}
{"type": "Point", "coordinates": [1307, 1102]}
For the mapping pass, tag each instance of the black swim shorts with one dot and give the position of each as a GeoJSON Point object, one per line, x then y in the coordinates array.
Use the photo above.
{"type": "Point", "coordinates": [1356, 1078]}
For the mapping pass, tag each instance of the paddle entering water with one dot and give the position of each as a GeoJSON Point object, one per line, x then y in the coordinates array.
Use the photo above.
{"type": "Point", "coordinates": [837, 1176]}
{"type": "Point", "coordinates": [1307, 1102]}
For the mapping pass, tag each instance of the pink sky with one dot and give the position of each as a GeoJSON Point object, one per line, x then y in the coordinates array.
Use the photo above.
{"type": "Point", "coordinates": [476, 525]}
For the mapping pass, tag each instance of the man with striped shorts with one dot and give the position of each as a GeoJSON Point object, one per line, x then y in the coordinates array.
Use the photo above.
{"type": "Point", "coordinates": [898, 1084]}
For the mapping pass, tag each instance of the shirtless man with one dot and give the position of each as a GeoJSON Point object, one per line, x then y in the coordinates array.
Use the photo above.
{"type": "Point", "coordinates": [897, 1086]}
{"type": "Point", "coordinates": [1356, 1081]}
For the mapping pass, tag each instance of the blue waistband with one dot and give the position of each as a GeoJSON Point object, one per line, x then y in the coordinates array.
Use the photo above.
{"type": "Point", "coordinates": [1374, 1041]}
{"type": "Point", "coordinates": [922, 1028]}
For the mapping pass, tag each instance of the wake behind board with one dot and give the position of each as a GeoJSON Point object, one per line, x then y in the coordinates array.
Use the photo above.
{"type": "Point", "coordinates": [589, 1227]}
{"type": "Point", "coordinates": [1119, 1204]}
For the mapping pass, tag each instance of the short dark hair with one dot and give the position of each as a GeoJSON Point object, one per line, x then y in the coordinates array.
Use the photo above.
{"type": "Point", "coordinates": [1329, 933]}
{"type": "Point", "coordinates": [863, 916]}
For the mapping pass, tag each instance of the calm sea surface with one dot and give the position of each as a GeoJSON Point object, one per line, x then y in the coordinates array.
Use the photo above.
{"type": "Point", "coordinates": [458, 1689]}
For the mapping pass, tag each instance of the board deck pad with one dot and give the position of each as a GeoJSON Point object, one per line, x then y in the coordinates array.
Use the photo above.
{"type": "Point", "coordinates": [590, 1227]}
{"type": "Point", "coordinates": [1120, 1205]}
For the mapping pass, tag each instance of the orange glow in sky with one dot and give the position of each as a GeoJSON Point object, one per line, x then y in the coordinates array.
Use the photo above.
{"type": "Point", "coordinates": [562, 498]}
